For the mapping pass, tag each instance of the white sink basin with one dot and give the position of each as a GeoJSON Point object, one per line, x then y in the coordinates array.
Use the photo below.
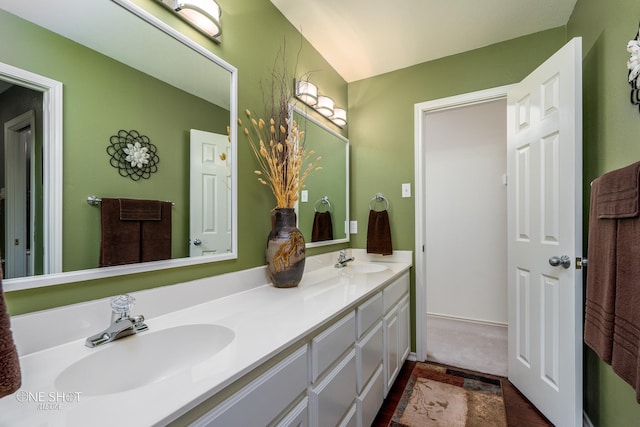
{"type": "Point", "coordinates": [139, 360]}
{"type": "Point", "coordinates": [366, 268]}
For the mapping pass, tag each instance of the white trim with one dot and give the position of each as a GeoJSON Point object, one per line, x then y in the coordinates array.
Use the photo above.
{"type": "Point", "coordinates": [52, 161]}
{"type": "Point", "coordinates": [420, 110]}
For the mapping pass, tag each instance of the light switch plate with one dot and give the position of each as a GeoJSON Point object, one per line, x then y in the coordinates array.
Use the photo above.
{"type": "Point", "coordinates": [353, 227]}
{"type": "Point", "coordinates": [304, 196]}
{"type": "Point", "coordinates": [406, 190]}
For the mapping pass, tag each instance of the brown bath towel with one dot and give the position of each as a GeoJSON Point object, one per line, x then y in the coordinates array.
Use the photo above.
{"type": "Point", "coordinates": [601, 281]}
{"type": "Point", "coordinates": [10, 376]}
{"type": "Point", "coordinates": [618, 194]}
{"type": "Point", "coordinates": [322, 227]}
{"type": "Point", "coordinates": [625, 359]}
{"type": "Point", "coordinates": [379, 233]}
{"type": "Point", "coordinates": [156, 236]}
{"type": "Point", "coordinates": [120, 242]}
{"type": "Point", "coordinates": [612, 314]}
{"type": "Point", "coordinates": [134, 231]}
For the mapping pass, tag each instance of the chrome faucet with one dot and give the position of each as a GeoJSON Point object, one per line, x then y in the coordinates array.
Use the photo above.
{"type": "Point", "coordinates": [343, 260]}
{"type": "Point", "coordinates": [122, 323]}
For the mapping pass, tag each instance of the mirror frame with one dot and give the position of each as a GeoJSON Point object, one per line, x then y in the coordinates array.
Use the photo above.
{"type": "Point", "coordinates": [294, 108]}
{"type": "Point", "coordinates": [52, 170]}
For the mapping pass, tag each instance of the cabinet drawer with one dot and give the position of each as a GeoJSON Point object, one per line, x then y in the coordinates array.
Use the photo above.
{"type": "Point", "coordinates": [327, 347]}
{"type": "Point", "coordinates": [369, 355]}
{"type": "Point", "coordinates": [370, 401]}
{"type": "Point", "coordinates": [259, 402]}
{"type": "Point", "coordinates": [368, 313]}
{"type": "Point", "coordinates": [392, 293]}
{"type": "Point", "coordinates": [297, 417]}
{"type": "Point", "coordinates": [332, 398]}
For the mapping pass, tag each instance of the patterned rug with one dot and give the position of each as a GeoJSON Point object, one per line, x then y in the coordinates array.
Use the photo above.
{"type": "Point", "coordinates": [437, 396]}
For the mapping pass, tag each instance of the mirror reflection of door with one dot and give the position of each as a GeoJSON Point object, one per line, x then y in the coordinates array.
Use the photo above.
{"type": "Point", "coordinates": [19, 196]}
{"type": "Point", "coordinates": [210, 194]}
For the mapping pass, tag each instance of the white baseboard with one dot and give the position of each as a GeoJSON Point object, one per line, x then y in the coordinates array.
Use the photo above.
{"type": "Point", "coordinates": [466, 319]}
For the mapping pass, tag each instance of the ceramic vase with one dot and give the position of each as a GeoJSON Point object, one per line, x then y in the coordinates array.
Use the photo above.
{"type": "Point", "coordinates": [285, 252]}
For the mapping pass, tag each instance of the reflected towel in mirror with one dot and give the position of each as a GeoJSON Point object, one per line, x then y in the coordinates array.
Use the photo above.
{"type": "Point", "coordinates": [134, 231]}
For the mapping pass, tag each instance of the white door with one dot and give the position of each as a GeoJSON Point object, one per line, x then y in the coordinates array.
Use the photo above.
{"type": "Point", "coordinates": [544, 167]}
{"type": "Point", "coordinates": [210, 194]}
{"type": "Point", "coordinates": [19, 196]}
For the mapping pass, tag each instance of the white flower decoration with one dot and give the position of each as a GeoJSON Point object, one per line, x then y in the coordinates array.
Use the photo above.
{"type": "Point", "coordinates": [137, 155]}
{"type": "Point", "coordinates": [633, 64]}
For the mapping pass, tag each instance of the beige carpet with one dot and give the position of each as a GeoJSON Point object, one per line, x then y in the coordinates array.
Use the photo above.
{"type": "Point", "coordinates": [437, 396]}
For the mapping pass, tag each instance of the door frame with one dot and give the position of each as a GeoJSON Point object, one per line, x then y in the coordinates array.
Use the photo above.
{"type": "Point", "coordinates": [52, 161]}
{"type": "Point", "coordinates": [420, 133]}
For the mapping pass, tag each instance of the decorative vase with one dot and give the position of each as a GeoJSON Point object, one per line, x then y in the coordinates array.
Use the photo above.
{"type": "Point", "coordinates": [285, 253]}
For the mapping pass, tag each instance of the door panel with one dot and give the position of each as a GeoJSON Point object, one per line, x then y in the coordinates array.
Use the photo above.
{"type": "Point", "coordinates": [544, 161]}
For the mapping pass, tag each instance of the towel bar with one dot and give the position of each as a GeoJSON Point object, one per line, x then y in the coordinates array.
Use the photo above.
{"type": "Point", "coordinates": [96, 201]}
{"type": "Point", "coordinates": [378, 198]}
{"type": "Point", "coordinates": [322, 201]}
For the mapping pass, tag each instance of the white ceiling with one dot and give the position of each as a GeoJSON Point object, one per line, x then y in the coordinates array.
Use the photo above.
{"type": "Point", "coordinates": [364, 38]}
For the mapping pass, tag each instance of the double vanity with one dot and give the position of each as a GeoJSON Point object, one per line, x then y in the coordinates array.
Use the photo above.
{"type": "Point", "coordinates": [222, 351]}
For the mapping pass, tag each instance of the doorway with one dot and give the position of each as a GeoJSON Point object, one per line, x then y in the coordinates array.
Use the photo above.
{"type": "Point", "coordinates": [466, 224]}
{"type": "Point", "coordinates": [458, 251]}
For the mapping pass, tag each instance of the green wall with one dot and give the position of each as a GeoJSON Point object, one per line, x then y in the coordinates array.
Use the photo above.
{"type": "Point", "coordinates": [254, 33]}
{"type": "Point", "coordinates": [610, 126]}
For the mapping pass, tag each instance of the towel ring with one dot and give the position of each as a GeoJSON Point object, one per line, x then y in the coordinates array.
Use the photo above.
{"type": "Point", "coordinates": [378, 198]}
{"type": "Point", "coordinates": [322, 201]}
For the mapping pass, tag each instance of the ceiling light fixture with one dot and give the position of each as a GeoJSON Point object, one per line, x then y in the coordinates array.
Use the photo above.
{"type": "Point", "coordinates": [203, 15]}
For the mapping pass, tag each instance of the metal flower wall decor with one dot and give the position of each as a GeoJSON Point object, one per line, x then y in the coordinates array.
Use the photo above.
{"type": "Point", "coordinates": [633, 65]}
{"type": "Point", "coordinates": [133, 155]}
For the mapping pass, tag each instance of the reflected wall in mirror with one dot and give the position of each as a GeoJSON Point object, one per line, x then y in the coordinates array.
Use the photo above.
{"type": "Point", "coordinates": [326, 190]}
{"type": "Point", "coordinates": [119, 70]}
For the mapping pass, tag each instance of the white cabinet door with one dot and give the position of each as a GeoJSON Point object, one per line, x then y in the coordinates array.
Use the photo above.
{"type": "Point", "coordinates": [391, 356]}
{"type": "Point", "coordinates": [404, 329]}
{"type": "Point", "coordinates": [369, 355]}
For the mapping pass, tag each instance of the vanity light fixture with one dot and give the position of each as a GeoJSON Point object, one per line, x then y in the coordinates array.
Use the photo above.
{"type": "Point", "coordinates": [325, 106]}
{"type": "Point", "coordinates": [307, 92]}
{"type": "Point", "coordinates": [339, 117]}
{"type": "Point", "coordinates": [203, 15]}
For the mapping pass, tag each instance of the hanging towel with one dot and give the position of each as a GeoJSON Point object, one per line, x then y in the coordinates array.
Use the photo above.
{"type": "Point", "coordinates": [140, 210]}
{"type": "Point", "coordinates": [134, 231]}
{"type": "Point", "coordinates": [120, 240]}
{"type": "Point", "coordinates": [618, 195]}
{"type": "Point", "coordinates": [625, 359]}
{"type": "Point", "coordinates": [601, 280]}
{"type": "Point", "coordinates": [155, 242]}
{"type": "Point", "coordinates": [10, 376]}
{"type": "Point", "coordinates": [322, 227]}
{"type": "Point", "coordinates": [379, 233]}
{"type": "Point", "coordinates": [612, 317]}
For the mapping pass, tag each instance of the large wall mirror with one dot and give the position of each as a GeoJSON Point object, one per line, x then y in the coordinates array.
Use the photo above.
{"type": "Point", "coordinates": [323, 208]}
{"type": "Point", "coordinates": [72, 77]}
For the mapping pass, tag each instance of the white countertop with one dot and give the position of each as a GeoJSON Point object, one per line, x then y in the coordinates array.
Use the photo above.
{"type": "Point", "coordinates": [265, 320]}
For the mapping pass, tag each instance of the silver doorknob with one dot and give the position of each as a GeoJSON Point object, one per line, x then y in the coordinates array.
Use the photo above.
{"type": "Point", "coordinates": [564, 261]}
{"type": "Point", "coordinates": [197, 242]}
